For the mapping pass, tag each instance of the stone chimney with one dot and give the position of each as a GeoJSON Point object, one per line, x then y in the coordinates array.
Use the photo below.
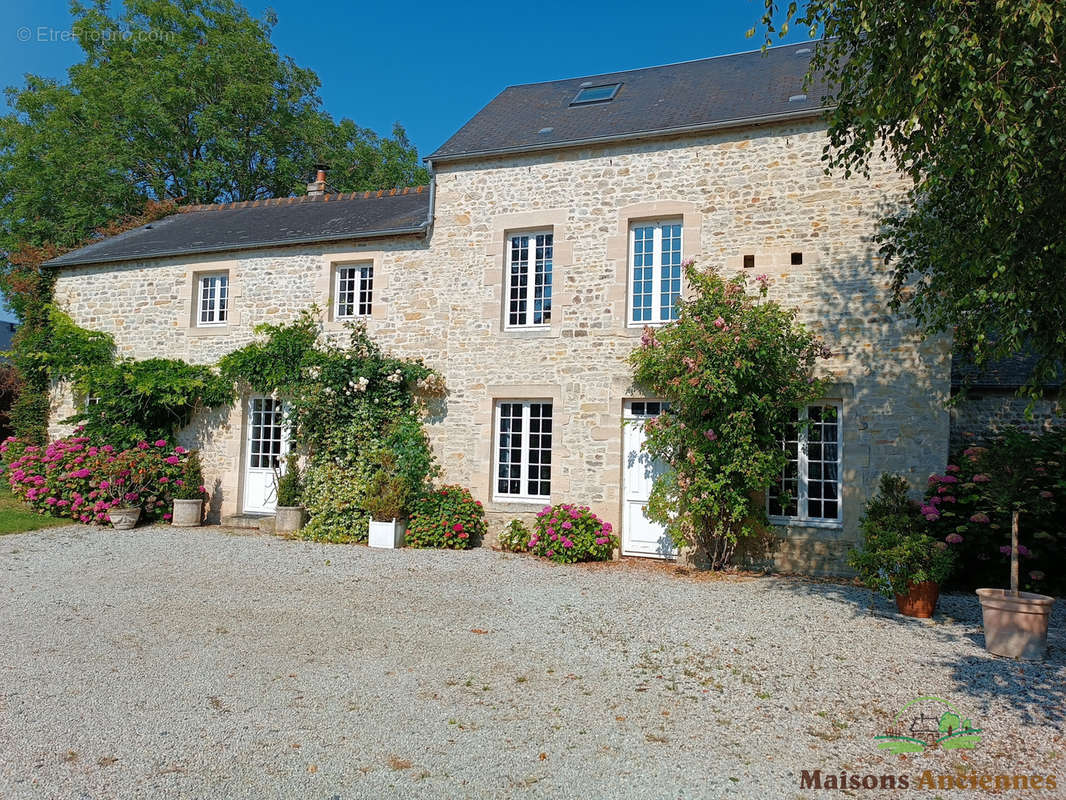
{"type": "Point", "coordinates": [317, 187]}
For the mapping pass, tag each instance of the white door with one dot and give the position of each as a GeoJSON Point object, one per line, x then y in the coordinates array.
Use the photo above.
{"type": "Point", "coordinates": [641, 536]}
{"type": "Point", "coordinates": [264, 454]}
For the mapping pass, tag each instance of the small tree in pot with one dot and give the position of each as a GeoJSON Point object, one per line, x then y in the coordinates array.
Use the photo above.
{"type": "Point", "coordinates": [1003, 481]}
{"type": "Point", "coordinates": [898, 558]}
{"type": "Point", "coordinates": [387, 503]}
{"type": "Point", "coordinates": [189, 493]}
{"type": "Point", "coordinates": [289, 515]}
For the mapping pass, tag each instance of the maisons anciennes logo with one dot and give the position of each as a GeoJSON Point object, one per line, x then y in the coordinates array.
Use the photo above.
{"type": "Point", "coordinates": [926, 724]}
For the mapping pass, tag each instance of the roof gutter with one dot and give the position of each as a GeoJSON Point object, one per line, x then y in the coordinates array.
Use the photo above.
{"type": "Point", "coordinates": [739, 122]}
{"type": "Point", "coordinates": [409, 230]}
{"type": "Point", "coordinates": [432, 198]}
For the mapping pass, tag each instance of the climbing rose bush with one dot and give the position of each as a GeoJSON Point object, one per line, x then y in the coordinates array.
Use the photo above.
{"type": "Point", "coordinates": [732, 366]}
{"type": "Point", "coordinates": [82, 481]}
{"type": "Point", "coordinates": [448, 517]}
{"type": "Point", "coordinates": [568, 533]}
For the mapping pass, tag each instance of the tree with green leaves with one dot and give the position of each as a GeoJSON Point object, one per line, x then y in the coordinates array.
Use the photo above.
{"type": "Point", "coordinates": [966, 99]}
{"type": "Point", "coordinates": [175, 101]}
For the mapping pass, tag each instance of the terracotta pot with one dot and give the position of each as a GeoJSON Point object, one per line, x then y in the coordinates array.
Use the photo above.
{"type": "Point", "coordinates": [920, 600]}
{"type": "Point", "coordinates": [1015, 626]}
{"type": "Point", "coordinates": [122, 519]}
{"type": "Point", "coordinates": [288, 519]}
{"type": "Point", "coordinates": [187, 513]}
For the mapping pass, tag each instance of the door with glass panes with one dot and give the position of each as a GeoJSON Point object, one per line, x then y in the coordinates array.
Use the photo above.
{"type": "Point", "coordinates": [264, 455]}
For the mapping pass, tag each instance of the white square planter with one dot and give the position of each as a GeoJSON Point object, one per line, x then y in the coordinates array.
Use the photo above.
{"type": "Point", "coordinates": [387, 534]}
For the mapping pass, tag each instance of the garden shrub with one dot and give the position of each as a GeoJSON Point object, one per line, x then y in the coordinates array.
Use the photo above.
{"type": "Point", "coordinates": [77, 479]}
{"type": "Point", "coordinates": [290, 484]}
{"type": "Point", "coordinates": [971, 504]}
{"type": "Point", "coordinates": [515, 537]}
{"type": "Point", "coordinates": [733, 366]}
{"type": "Point", "coordinates": [190, 486]}
{"type": "Point", "coordinates": [568, 533]}
{"type": "Point", "coordinates": [447, 517]}
{"type": "Point", "coordinates": [896, 550]}
{"type": "Point", "coordinates": [334, 496]}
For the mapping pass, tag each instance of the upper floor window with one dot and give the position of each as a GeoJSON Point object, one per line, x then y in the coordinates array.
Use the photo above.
{"type": "Point", "coordinates": [523, 450]}
{"type": "Point", "coordinates": [354, 291]}
{"type": "Point", "coordinates": [808, 489]}
{"type": "Point", "coordinates": [213, 294]}
{"type": "Point", "coordinates": [655, 272]}
{"type": "Point", "coordinates": [529, 279]}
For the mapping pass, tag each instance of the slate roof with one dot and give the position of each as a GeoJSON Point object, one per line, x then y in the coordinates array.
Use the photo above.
{"type": "Point", "coordinates": [695, 95]}
{"type": "Point", "coordinates": [263, 223]}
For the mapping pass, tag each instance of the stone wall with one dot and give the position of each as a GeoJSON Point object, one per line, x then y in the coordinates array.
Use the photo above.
{"type": "Point", "coordinates": [758, 191]}
{"type": "Point", "coordinates": [985, 412]}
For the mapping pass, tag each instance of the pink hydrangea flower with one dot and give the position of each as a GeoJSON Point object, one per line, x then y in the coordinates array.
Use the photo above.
{"type": "Point", "coordinates": [719, 323]}
{"type": "Point", "coordinates": [979, 518]}
{"type": "Point", "coordinates": [550, 553]}
{"type": "Point", "coordinates": [180, 450]}
{"type": "Point", "coordinates": [173, 460]}
{"type": "Point", "coordinates": [567, 525]}
{"type": "Point", "coordinates": [710, 434]}
{"type": "Point", "coordinates": [458, 527]}
{"type": "Point", "coordinates": [160, 442]}
{"type": "Point", "coordinates": [981, 478]}
{"type": "Point", "coordinates": [953, 538]}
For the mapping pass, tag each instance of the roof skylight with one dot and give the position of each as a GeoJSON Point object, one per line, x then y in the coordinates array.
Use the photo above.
{"type": "Point", "coordinates": [595, 94]}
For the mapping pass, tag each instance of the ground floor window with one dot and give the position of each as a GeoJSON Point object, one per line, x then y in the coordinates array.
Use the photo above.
{"type": "Point", "coordinates": [808, 488]}
{"type": "Point", "coordinates": [523, 450]}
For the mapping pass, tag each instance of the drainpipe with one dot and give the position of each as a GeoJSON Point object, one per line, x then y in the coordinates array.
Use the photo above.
{"type": "Point", "coordinates": [432, 199]}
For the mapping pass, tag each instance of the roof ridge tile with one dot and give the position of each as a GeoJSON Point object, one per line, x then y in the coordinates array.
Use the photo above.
{"type": "Point", "coordinates": [286, 201]}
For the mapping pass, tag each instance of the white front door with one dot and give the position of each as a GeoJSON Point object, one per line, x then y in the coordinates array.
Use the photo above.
{"type": "Point", "coordinates": [641, 536]}
{"type": "Point", "coordinates": [264, 453]}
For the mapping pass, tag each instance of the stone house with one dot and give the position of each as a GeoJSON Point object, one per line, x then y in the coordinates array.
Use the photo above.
{"type": "Point", "coordinates": [553, 230]}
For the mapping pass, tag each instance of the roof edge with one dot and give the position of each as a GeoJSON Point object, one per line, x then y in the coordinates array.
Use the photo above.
{"type": "Point", "coordinates": [420, 228]}
{"type": "Point", "coordinates": [738, 122]}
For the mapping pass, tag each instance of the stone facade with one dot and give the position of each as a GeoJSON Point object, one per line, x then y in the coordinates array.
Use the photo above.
{"type": "Point", "coordinates": [758, 191]}
{"type": "Point", "coordinates": [985, 412]}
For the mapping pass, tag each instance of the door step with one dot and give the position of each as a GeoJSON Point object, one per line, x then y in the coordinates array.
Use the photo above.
{"type": "Point", "coordinates": [263, 522]}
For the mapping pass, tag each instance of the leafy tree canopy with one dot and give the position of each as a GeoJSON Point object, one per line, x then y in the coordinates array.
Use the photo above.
{"type": "Point", "coordinates": [966, 98]}
{"type": "Point", "coordinates": [181, 99]}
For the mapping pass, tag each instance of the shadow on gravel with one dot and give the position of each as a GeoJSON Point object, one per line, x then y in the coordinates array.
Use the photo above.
{"type": "Point", "coordinates": [1037, 690]}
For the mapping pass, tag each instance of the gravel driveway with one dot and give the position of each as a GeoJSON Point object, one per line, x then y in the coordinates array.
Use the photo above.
{"type": "Point", "coordinates": [208, 664]}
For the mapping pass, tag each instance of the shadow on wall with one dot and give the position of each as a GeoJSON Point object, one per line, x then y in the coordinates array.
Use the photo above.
{"type": "Point", "coordinates": [208, 432]}
{"type": "Point", "coordinates": [956, 642]}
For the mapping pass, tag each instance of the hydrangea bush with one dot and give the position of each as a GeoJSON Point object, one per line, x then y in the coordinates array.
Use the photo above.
{"type": "Point", "coordinates": [515, 537]}
{"type": "Point", "coordinates": [568, 533]}
{"type": "Point", "coordinates": [972, 503]}
{"type": "Point", "coordinates": [448, 517]}
{"type": "Point", "coordinates": [82, 481]}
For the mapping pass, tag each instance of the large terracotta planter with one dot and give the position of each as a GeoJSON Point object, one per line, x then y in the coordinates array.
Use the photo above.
{"type": "Point", "coordinates": [1015, 626]}
{"type": "Point", "coordinates": [288, 519]}
{"type": "Point", "coordinates": [187, 513]}
{"type": "Point", "coordinates": [122, 519]}
{"type": "Point", "coordinates": [920, 600]}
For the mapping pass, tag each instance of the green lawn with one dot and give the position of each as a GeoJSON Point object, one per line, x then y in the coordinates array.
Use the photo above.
{"type": "Point", "coordinates": [17, 518]}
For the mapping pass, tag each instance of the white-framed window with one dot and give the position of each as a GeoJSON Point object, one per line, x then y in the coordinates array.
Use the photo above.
{"type": "Point", "coordinates": [808, 489]}
{"type": "Point", "coordinates": [354, 291]}
{"type": "Point", "coordinates": [654, 272]}
{"type": "Point", "coordinates": [529, 279]}
{"type": "Point", "coordinates": [213, 299]}
{"type": "Point", "coordinates": [523, 450]}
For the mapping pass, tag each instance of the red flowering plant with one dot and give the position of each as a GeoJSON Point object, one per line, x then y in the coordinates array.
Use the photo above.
{"type": "Point", "coordinates": [990, 496]}
{"type": "Point", "coordinates": [568, 533]}
{"type": "Point", "coordinates": [448, 517]}
{"type": "Point", "coordinates": [77, 479]}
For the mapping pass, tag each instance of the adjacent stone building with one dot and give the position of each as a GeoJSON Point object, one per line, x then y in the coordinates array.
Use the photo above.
{"type": "Point", "coordinates": [553, 231]}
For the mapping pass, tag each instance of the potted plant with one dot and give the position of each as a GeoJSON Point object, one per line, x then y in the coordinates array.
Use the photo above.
{"type": "Point", "coordinates": [189, 494]}
{"type": "Point", "coordinates": [387, 504]}
{"type": "Point", "coordinates": [289, 514]}
{"type": "Point", "coordinates": [1015, 622]}
{"type": "Point", "coordinates": [897, 558]}
{"type": "Point", "coordinates": [127, 476]}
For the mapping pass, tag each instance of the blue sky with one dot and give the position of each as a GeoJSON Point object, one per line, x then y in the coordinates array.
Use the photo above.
{"type": "Point", "coordinates": [431, 66]}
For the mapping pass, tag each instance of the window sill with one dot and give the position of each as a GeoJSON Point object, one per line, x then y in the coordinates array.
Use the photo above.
{"type": "Point", "coordinates": [529, 333]}
{"type": "Point", "coordinates": [795, 522]}
{"type": "Point", "coordinates": [209, 330]}
{"type": "Point", "coordinates": [517, 504]}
